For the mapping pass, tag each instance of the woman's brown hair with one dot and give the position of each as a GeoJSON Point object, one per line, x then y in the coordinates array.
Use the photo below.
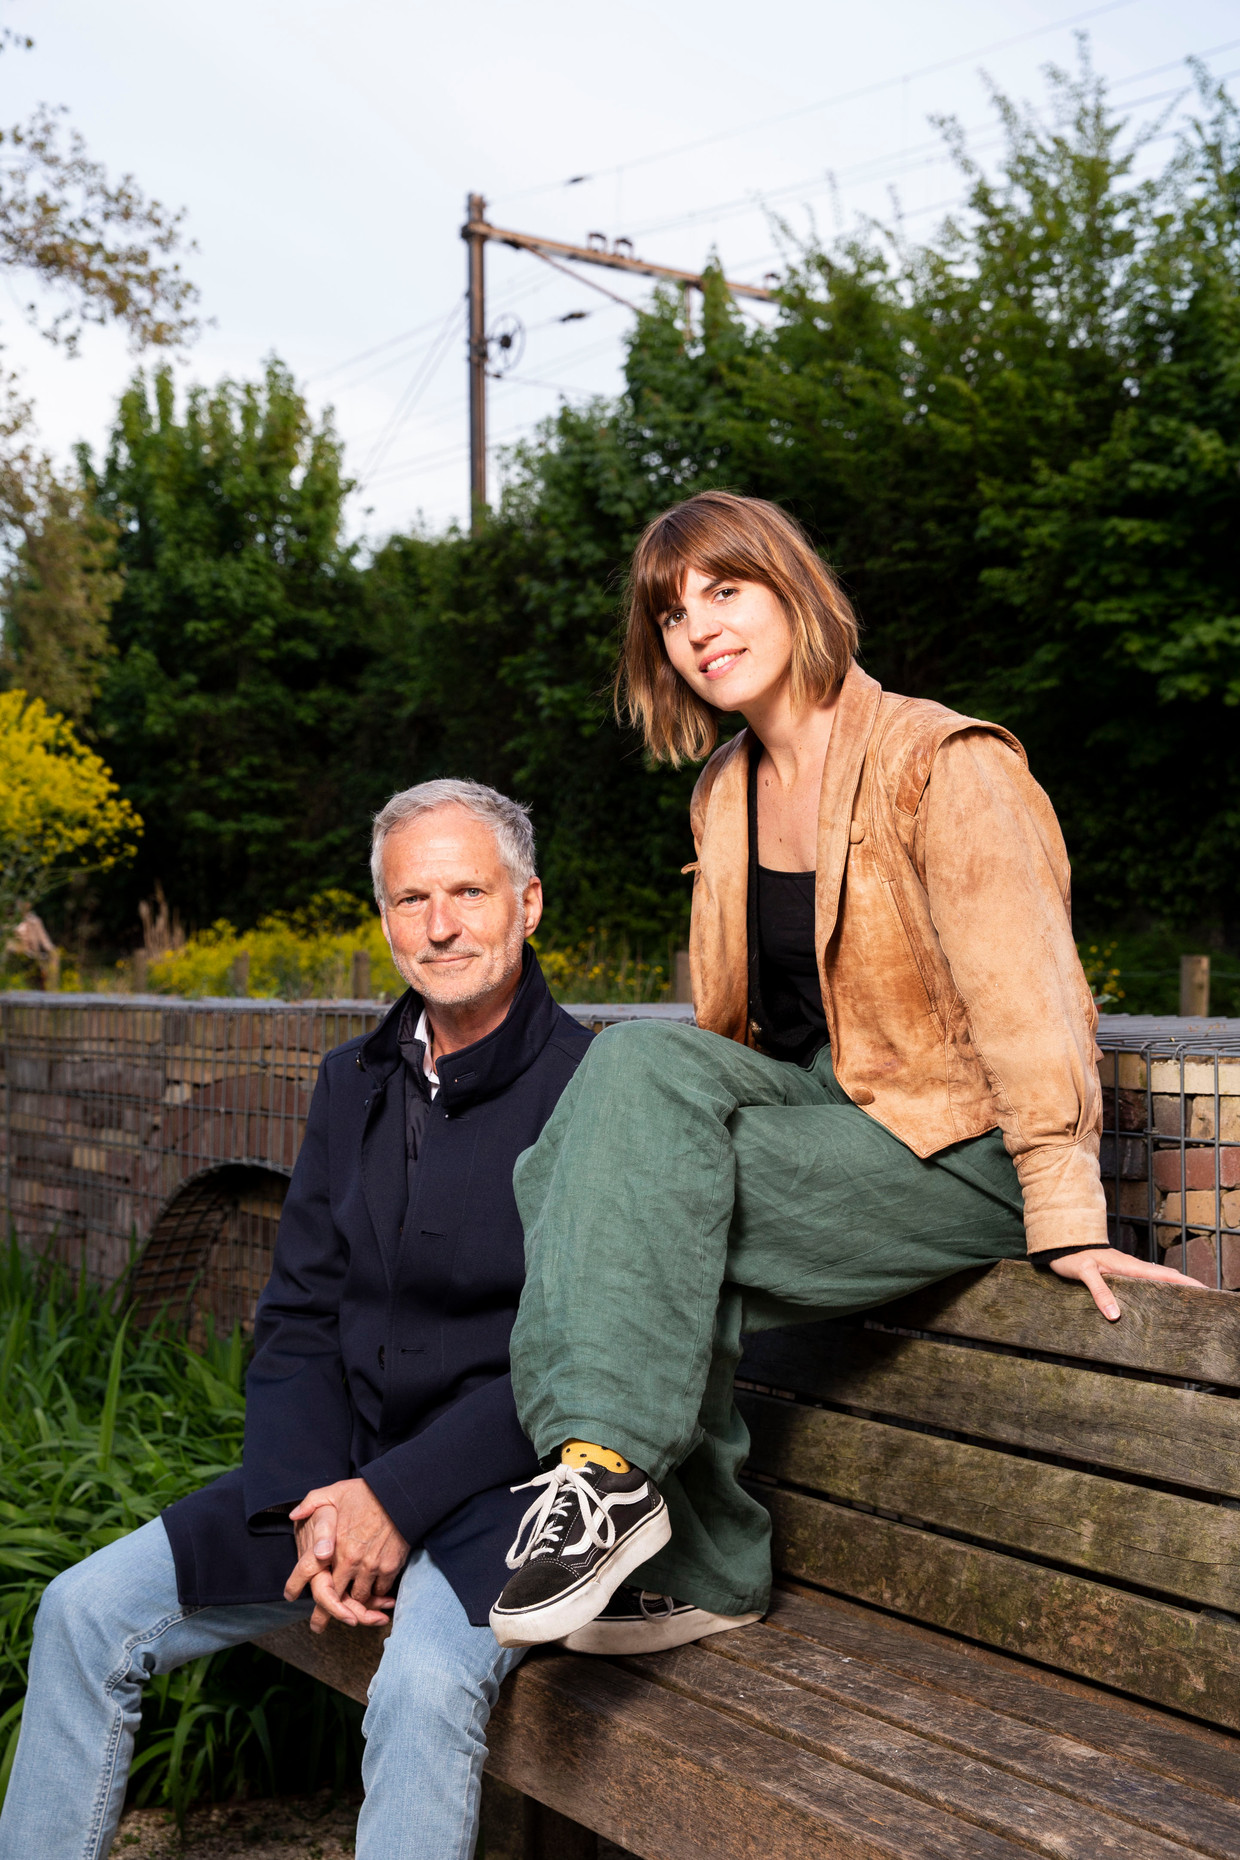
{"type": "Point", "coordinates": [725, 536]}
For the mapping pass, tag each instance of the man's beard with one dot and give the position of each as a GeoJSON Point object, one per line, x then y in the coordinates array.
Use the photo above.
{"type": "Point", "coordinates": [480, 985]}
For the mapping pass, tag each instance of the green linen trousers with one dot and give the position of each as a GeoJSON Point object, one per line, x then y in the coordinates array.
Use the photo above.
{"type": "Point", "coordinates": [687, 1189]}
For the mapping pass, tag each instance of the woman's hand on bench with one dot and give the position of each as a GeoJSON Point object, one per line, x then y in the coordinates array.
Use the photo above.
{"type": "Point", "coordinates": [1094, 1266]}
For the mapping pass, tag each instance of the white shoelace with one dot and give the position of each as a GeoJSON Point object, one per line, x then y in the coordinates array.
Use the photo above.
{"type": "Point", "coordinates": [549, 1514]}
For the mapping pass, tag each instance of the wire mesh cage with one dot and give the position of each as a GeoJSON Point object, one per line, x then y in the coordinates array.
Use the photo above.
{"type": "Point", "coordinates": [1171, 1141]}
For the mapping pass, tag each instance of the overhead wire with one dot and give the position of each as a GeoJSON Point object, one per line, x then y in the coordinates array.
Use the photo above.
{"type": "Point", "coordinates": [930, 153]}
{"type": "Point", "coordinates": [413, 393]}
{"type": "Point", "coordinates": [873, 169]}
{"type": "Point", "coordinates": [581, 278]}
{"type": "Point", "coordinates": [825, 103]}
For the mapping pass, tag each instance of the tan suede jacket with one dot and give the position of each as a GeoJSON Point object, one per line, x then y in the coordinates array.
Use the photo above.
{"type": "Point", "coordinates": [953, 992]}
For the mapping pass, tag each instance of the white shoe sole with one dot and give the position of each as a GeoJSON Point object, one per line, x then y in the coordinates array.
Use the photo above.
{"type": "Point", "coordinates": [654, 1636]}
{"type": "Point", "coordinates": [533, 1627]}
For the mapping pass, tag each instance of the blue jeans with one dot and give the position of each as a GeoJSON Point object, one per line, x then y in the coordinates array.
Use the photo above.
{"type": "Point", "coordinates": [113, 1621]}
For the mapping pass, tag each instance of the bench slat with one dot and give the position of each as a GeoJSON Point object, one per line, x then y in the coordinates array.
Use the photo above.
{"type": "Point", "coordinates": [1171, 1656]}
{"type": "Point", "coordinates": [1102, 1782]}
{"type": "Point", "coordinates": [1166, 1330]}
{"type": "Point", "coordinates": [1170, 1748]}
{"type": "Point", "coordinates": [671, 1779]}
{"type": "Point", "coordinates": [963, 1784]}
{"type": "Point", "coordinates": [1155, 1539]}
{"type": "Point", "coordinates": [1164, 1433]}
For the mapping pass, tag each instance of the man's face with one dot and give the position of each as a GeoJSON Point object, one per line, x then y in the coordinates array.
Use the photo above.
{"type": "Point", "coordinates": [452, 919]}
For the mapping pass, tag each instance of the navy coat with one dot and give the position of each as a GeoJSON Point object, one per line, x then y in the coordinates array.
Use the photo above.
{"type": "Point", "coordinates": [381, 1340]}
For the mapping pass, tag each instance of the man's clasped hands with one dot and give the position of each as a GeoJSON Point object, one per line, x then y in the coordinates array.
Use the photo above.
{"type": "Point", "coordinates": [349, 1552]}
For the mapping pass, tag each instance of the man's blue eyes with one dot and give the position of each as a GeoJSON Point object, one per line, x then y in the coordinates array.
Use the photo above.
{"type": "Point", "coordinates": [468, 891]}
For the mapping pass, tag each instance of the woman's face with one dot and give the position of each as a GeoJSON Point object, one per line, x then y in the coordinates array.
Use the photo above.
{"type": "Point", "coordinates": [729, 640]}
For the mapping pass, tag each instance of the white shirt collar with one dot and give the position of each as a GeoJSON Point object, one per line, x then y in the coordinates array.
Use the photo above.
{"type": "Point", "coordinates": [423, 1032]}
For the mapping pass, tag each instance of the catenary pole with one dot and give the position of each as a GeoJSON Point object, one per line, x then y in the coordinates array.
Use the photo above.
{"type": "Point", "coordinates": [476, 231]}
{"type": "Point", "coordinates": [476, 291]}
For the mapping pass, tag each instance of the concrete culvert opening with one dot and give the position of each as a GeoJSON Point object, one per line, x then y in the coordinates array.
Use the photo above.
{"type": "Point", "coordinates": [210, 1251]}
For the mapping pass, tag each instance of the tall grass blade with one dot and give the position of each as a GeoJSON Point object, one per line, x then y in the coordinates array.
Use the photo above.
{"type": "Point", "coordinates": [111, 1397]}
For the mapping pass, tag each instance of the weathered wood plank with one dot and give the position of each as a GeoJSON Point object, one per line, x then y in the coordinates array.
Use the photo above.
{"type": "Point", "coordinates": [1046, 1820]}
{"type": "Point", "coordinates": [1106, 1784]}
{"type": "Point", "coordinates": [1164, 1329]}
{"type": "Point", "coordinates": [1155, 1539]}
{"type": "Point", "coordinates": [1168, 1655]}
{"type": "Point", "coordinates": [1166, 1433]}
{"type": "Point", "coordinates": [564, 1765]}
{"type": "Point", "coordinates": [1168, 1747]}
{"type": "Point", "coordinates": [670, 1779]}
{"type": "Point", "coordinates": [345, 1658]}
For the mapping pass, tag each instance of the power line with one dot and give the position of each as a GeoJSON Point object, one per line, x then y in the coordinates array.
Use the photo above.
{"type": "Point", "coordinates": [413, 393]}
{"type": "Point", "coordinates": [391, 343]}
{"type": "Point", "coordinates": [581, 278]}
{"type": "Point", "coordinates": [826, 103]}
{"type": "Point", "coordinates": [873, 169]}
{"type": "Point", "coordinates": [891, 166]}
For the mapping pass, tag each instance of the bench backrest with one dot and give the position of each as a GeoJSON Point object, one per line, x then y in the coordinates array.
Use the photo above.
{"type": "Point", "coordinates": [992, 1458]}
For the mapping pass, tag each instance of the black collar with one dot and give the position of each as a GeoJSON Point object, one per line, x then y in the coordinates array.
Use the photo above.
{"type": "Point", "coordinates": [490, 1065]}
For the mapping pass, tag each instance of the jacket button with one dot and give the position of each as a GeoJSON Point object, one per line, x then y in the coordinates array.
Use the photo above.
{"type": "Point", "coordinates": [863, 1095]}
{"type": "Point", "coordinates": [856, 833]}
{"type": "Point", "coordinates": [381, 1355]}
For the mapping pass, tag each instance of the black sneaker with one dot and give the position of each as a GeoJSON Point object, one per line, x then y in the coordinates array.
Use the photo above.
{"type": "Point", "coordinates": [639, 1621]}
{"type": "Point", "coordinates": [588, 1531]}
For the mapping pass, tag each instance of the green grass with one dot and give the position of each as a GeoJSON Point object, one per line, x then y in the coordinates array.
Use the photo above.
{"type": "Point", "coordinates": [102, 1424]}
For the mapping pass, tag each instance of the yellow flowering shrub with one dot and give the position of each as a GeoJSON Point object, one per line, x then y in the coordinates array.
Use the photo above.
{"type": "Point", "coordinates": [308, 955]}
{"type": "Point", "coordinates": [293, 956]}
{"type": "Point", "coordinates": [59, 806]}
{"type": "Point", "coordinates": [1101, 971]}
{"type": "Point", "coordinates": [602, 970]}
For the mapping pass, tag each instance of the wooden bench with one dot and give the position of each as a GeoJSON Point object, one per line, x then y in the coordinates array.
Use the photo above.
{"type": "Point", "coordinates": [1008, 1620]}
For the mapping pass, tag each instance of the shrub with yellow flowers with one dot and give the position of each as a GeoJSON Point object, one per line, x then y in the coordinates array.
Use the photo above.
{"type": "Point", "coordinates": [301, 955]}
{"type": "Point", "coordinates": [1101, 972]}
{"type": "Point", "coordinates": [60, 809]}
{"type": "Point", "coordinates": [308, 955]}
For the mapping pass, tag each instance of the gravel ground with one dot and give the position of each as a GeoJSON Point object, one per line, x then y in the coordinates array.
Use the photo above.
{"type": "Point", "coordinates": [260, 1830]}
{"type": "Point", "coordinates": [275, 1829]}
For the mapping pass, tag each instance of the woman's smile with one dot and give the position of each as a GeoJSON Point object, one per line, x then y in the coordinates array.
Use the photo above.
{"type": "Point", "coordinates": [715, 664]}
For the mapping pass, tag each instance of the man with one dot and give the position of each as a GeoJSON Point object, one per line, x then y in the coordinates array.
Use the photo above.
{"type": "Point", "coordinates": [381, 1435]}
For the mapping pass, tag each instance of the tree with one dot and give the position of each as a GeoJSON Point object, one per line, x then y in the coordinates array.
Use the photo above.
{"type": "Point", "coordinates": [229, 708]}
{"type": "Point", "coordinates": [1018, 443]}
{"type": "Point", "coordinates": [101, 251]}
{"type": "Point", "coordinates": [60, 809]}
{"type": "Point", "coordinates": [57, 590]}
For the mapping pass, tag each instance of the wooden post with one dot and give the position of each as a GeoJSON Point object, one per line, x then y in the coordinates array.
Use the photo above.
{"type": "Point", "coordinates": [516, 1827]}
{"type": "Point", "coordinates": [139, 971]}
{"type": "Point", "coordinates": [682, 985]}
{"type": "Point", "coordinates": [476, 297]}
{"type": "Point", "coordinates": [360, 986]}
{"type": "Point", "coordinates": [241, 972]}
{"type": "Point", "coordinates": [1195, 986]}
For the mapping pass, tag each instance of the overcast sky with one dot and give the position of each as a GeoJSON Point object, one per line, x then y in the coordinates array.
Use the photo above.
{"type": "Point", "coordinates": [324, 151]}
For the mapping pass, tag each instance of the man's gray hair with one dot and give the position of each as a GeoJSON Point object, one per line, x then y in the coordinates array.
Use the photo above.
{"type": "Point", "coordinates": [508, 820]}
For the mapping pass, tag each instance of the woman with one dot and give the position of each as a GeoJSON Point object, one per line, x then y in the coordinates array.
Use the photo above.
{"type": "Point", "coordinates": [891, 1079]}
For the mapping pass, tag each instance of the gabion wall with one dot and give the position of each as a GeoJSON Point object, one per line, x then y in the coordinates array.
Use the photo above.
{"type": "Point", "coordinates": [144, 1131]}
{"type": "Point", "coordinates": [1171, 1148]}
{"type": "Point", "coordinates": [163, 1132]}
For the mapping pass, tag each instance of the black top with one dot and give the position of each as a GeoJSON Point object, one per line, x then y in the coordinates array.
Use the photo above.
{"type": "Point", "coordinates": [785, 995]}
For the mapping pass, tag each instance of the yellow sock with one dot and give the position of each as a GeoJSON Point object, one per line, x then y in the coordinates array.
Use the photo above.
{"type": "Point", "coordinates": [577, 1452]}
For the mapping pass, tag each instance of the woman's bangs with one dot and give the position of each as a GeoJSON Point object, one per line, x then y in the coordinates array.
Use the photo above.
{"type": "Point", "coordinates": [675, 548]}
